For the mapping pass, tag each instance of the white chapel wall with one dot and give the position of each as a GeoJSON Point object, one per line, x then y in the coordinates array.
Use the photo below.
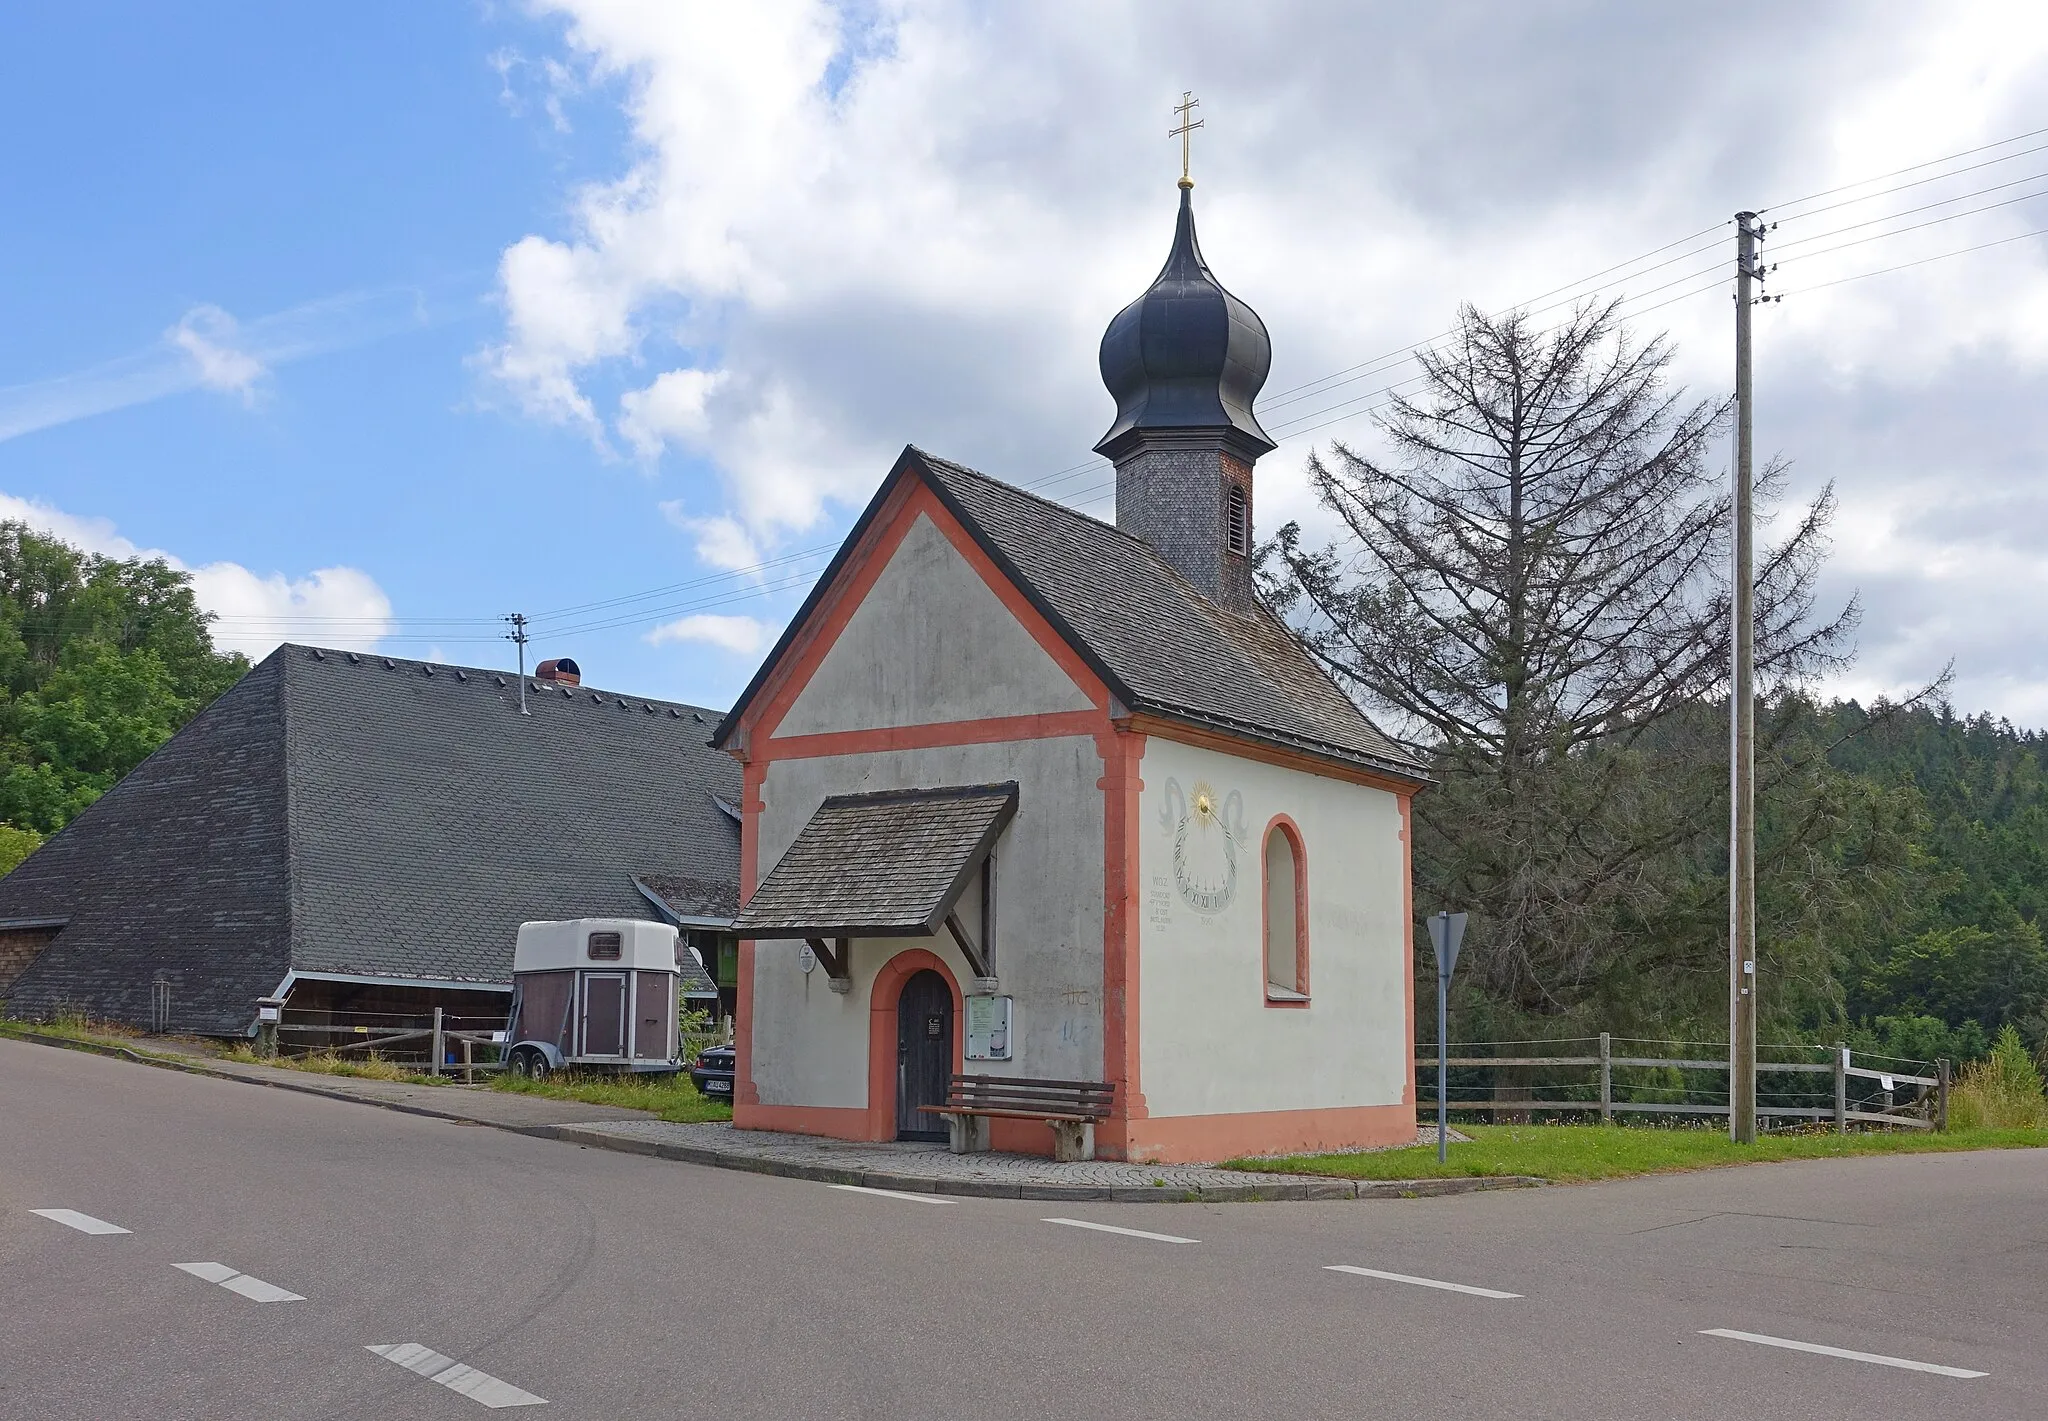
{"type": "Point", "coordinates": [1208, 1042]}
{"type": "Point", "coordinates": [811, 1044]}
{"type": "Point", "coordinates": [929, 643]}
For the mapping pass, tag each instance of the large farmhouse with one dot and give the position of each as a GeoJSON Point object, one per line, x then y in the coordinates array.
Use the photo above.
{"type": "Point", "coordinates": [1029, 794]}
{"type": "Point", "coordinates": [363, 833]}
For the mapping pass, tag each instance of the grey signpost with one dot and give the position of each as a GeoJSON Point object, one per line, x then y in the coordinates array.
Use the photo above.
{"type": "Point", "coordinates": [1446, 935]}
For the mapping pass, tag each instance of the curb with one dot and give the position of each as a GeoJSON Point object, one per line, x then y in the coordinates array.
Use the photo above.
{"type": "Point", "coordinates": [1305, 1190]}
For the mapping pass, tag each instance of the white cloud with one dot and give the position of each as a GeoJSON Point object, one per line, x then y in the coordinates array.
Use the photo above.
{"type": "Point", "coordinates": [721, 541]}
{"type": "Point", "coordinates": [554, 79]}
{"type": "Point", "coordinates": [671, 410]}
{"type": "Point", "coordinates": [837, 230]}
{"type": "Point", "coordinates": [330, 606]}
{"type": "Point", "coordinates": [346, 607]}
{"type": "Point", "coordinates": [743, 636]}
{"type": "Point", "coordinates": [565, 312]}
{"type": "Point", "coordinates": [208, 335]}
{"type": "Point", "coordinates": [209, 349]}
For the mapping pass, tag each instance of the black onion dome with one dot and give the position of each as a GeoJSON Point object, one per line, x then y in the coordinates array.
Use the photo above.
{"type": "Point", "coordinates": [1185, 355]}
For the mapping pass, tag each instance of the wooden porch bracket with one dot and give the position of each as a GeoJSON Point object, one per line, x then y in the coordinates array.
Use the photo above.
{"type": "Point", "coordinates": [837, 964]}
{"type": "Point", "coordinates": [974, 955]}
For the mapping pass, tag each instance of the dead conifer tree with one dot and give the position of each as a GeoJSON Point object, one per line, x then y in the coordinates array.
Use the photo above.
{"type": "Point", "coordinates": [1531, 583]}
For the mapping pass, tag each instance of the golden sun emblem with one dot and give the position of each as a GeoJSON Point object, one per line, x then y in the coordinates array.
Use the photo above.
{"type": "Point", "coordinates": [1207, 831]}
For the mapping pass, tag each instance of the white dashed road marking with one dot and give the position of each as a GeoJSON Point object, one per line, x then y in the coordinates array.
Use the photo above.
{"type": "Point", "coordinates": [1843, 1352]}
{"type": "Point", "coordinates": [1420, 1282]}
{"type": "Point", "coordinates": [1113, 1229]}
{"type": "Point", "coordinates": [891, 1193]}
{"type": "Point", "coordinates": [477, 1386]}
{"type": "Point", "coordinates": [255, 1289]}
{"type": "Point", "coordinates": [84, 1223]}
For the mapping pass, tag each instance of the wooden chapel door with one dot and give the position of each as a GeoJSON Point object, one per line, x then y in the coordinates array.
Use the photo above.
{"type": "Point", "coordinates": [924, 1054]}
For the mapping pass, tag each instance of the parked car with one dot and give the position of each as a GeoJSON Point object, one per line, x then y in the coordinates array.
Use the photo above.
{"type": "Point", "coordinates": [712, 1072]}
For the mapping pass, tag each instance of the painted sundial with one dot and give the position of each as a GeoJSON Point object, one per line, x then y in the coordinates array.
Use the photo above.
{"type": "Point", "coordinates": [1208, 834]}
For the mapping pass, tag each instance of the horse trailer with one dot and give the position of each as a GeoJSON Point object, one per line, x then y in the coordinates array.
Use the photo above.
{"type": "Point", "coordinates": [594, 994]}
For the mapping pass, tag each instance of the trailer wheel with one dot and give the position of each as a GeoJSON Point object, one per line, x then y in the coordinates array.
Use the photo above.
{"type": "Point", "coordinates": [529, 1062]}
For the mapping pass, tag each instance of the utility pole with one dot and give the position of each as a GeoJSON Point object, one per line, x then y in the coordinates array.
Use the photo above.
{"type": "Point", "coordinates": [1742, 726]}
{"type": "Point", "coordinates": [517, 636]}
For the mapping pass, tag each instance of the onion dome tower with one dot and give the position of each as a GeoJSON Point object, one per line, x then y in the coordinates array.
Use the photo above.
{"type": "Point", "coordinates": [1184, 362]}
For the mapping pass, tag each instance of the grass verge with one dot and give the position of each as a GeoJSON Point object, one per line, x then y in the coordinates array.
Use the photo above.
{"type": "Point", "coordinates": [1573, 1153]}
{"type": "Point", "coordinates": [93, 1033]}
{"type": "Point", "coordinates": [670, 1097]}
{"type": "Point", "coordinates": [368, 1067]}
{"type": "Point", "coordinates": [72, 1029]}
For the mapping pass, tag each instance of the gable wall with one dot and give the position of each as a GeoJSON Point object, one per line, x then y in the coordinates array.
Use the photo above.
{"type": "Point", "coordinates": [929, 641]}
{"type": "Point", "coordinates": [924, 667]}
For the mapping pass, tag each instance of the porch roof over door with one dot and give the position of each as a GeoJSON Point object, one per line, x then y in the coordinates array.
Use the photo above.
{"type": "Point", "coordinates": [892, 863]}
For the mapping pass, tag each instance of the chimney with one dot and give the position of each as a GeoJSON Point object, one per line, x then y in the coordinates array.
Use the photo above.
{"type": "Point", "coordinates": [560, 670]}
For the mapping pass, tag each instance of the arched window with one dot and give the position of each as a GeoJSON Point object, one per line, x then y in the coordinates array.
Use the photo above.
{"type": "Point", "coordinates": [1286, 917]}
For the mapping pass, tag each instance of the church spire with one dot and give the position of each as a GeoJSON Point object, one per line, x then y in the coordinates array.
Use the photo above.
{"type": "Point", "coordinates": [1184, 362]}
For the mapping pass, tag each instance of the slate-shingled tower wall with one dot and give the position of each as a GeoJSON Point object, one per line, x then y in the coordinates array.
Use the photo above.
{"type": "Point", "coordinates": [1185, 362]}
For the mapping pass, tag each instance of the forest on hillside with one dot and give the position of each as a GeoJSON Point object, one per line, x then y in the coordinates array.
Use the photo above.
{"type": "Point", "coordinates": [101, 661]}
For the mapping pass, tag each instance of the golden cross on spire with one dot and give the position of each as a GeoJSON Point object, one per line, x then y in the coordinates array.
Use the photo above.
{"type": "Point", "coordinates": [1188, 124]}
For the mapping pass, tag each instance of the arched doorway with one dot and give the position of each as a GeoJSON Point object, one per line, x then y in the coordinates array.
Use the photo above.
{"type": "Point", "coordinates": [924, 1054]}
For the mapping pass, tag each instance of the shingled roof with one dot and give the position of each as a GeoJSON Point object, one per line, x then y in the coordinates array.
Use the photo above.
{"type": "Point", "coordinates": [889, 863]}
{"type": "Point", "coordinates": [366, 816]}
{"type": "Point", "coordinates": [1156, 641]}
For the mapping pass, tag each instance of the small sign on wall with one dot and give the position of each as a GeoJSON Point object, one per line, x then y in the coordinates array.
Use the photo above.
{"type": "Point", "coordinates": [988, 1028]}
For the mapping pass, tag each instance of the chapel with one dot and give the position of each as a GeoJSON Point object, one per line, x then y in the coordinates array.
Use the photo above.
{"type": "Point", "coordinates": [1028, 794]}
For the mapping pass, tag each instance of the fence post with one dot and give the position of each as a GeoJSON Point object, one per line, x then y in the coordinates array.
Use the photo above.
{"type": "Point", "coordinates": [1841, 1088]}
{"type": "Point", "coordinates": [439, 1048]}
{"type": "Point", "coordinates": [468, 1062]}
{"type": "Point", "coordinates": [1606, 1079]}
{"type": "Point", "coordinates": [1941, 1095]}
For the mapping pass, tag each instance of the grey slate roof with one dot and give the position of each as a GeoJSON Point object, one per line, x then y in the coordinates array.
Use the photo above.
{"type": "Point", "coordinates": [1160, 645]}
{"type": "Point", "coordinates": [694, 899]}
{"type": "Point", "coordinates": [176, 873]}
{"type": "Point", "coordinates": [885, 864]}
{"type": "Point", "coordinates": [359, 815]}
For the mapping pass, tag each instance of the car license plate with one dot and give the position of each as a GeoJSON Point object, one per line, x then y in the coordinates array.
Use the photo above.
{"type": "Point", "coordinates": [718, 1087]}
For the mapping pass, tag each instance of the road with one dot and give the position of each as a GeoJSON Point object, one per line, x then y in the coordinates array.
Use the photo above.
{"type": "Point", "coordinates": [607, 1285]}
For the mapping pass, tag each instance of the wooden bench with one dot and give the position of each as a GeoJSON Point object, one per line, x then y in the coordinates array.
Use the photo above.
{"type": "Point", "coordinates": [1071, 1108]}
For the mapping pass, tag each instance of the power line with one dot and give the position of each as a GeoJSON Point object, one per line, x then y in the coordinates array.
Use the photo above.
{"type": "Point", "coordinates": [1917, 182]}
{"type": "Point", "coordinates": [726, 599]}
{"type": "Point", "coordinates": [651, 593]}
{"type": "Point", "coordinates": [1395, 356]}
{"type": "Point", "coordinates": [1909, 212]}
{"type": "Point", "coordinates": [1923, 261]}
{"type": "Point", "coordinates": [1900, 172]}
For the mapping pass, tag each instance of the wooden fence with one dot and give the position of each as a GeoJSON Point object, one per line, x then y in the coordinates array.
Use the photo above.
{"type": "Point", "coordinates": [431, 1037]}
{"type": "Point", "coordinates": [1586, 1083]}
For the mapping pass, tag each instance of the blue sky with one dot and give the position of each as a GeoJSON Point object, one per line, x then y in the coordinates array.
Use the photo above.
{"type": "Point", "coordinates": [389, 319]}
{"type": "Point", "coordinates": [363, 163]}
